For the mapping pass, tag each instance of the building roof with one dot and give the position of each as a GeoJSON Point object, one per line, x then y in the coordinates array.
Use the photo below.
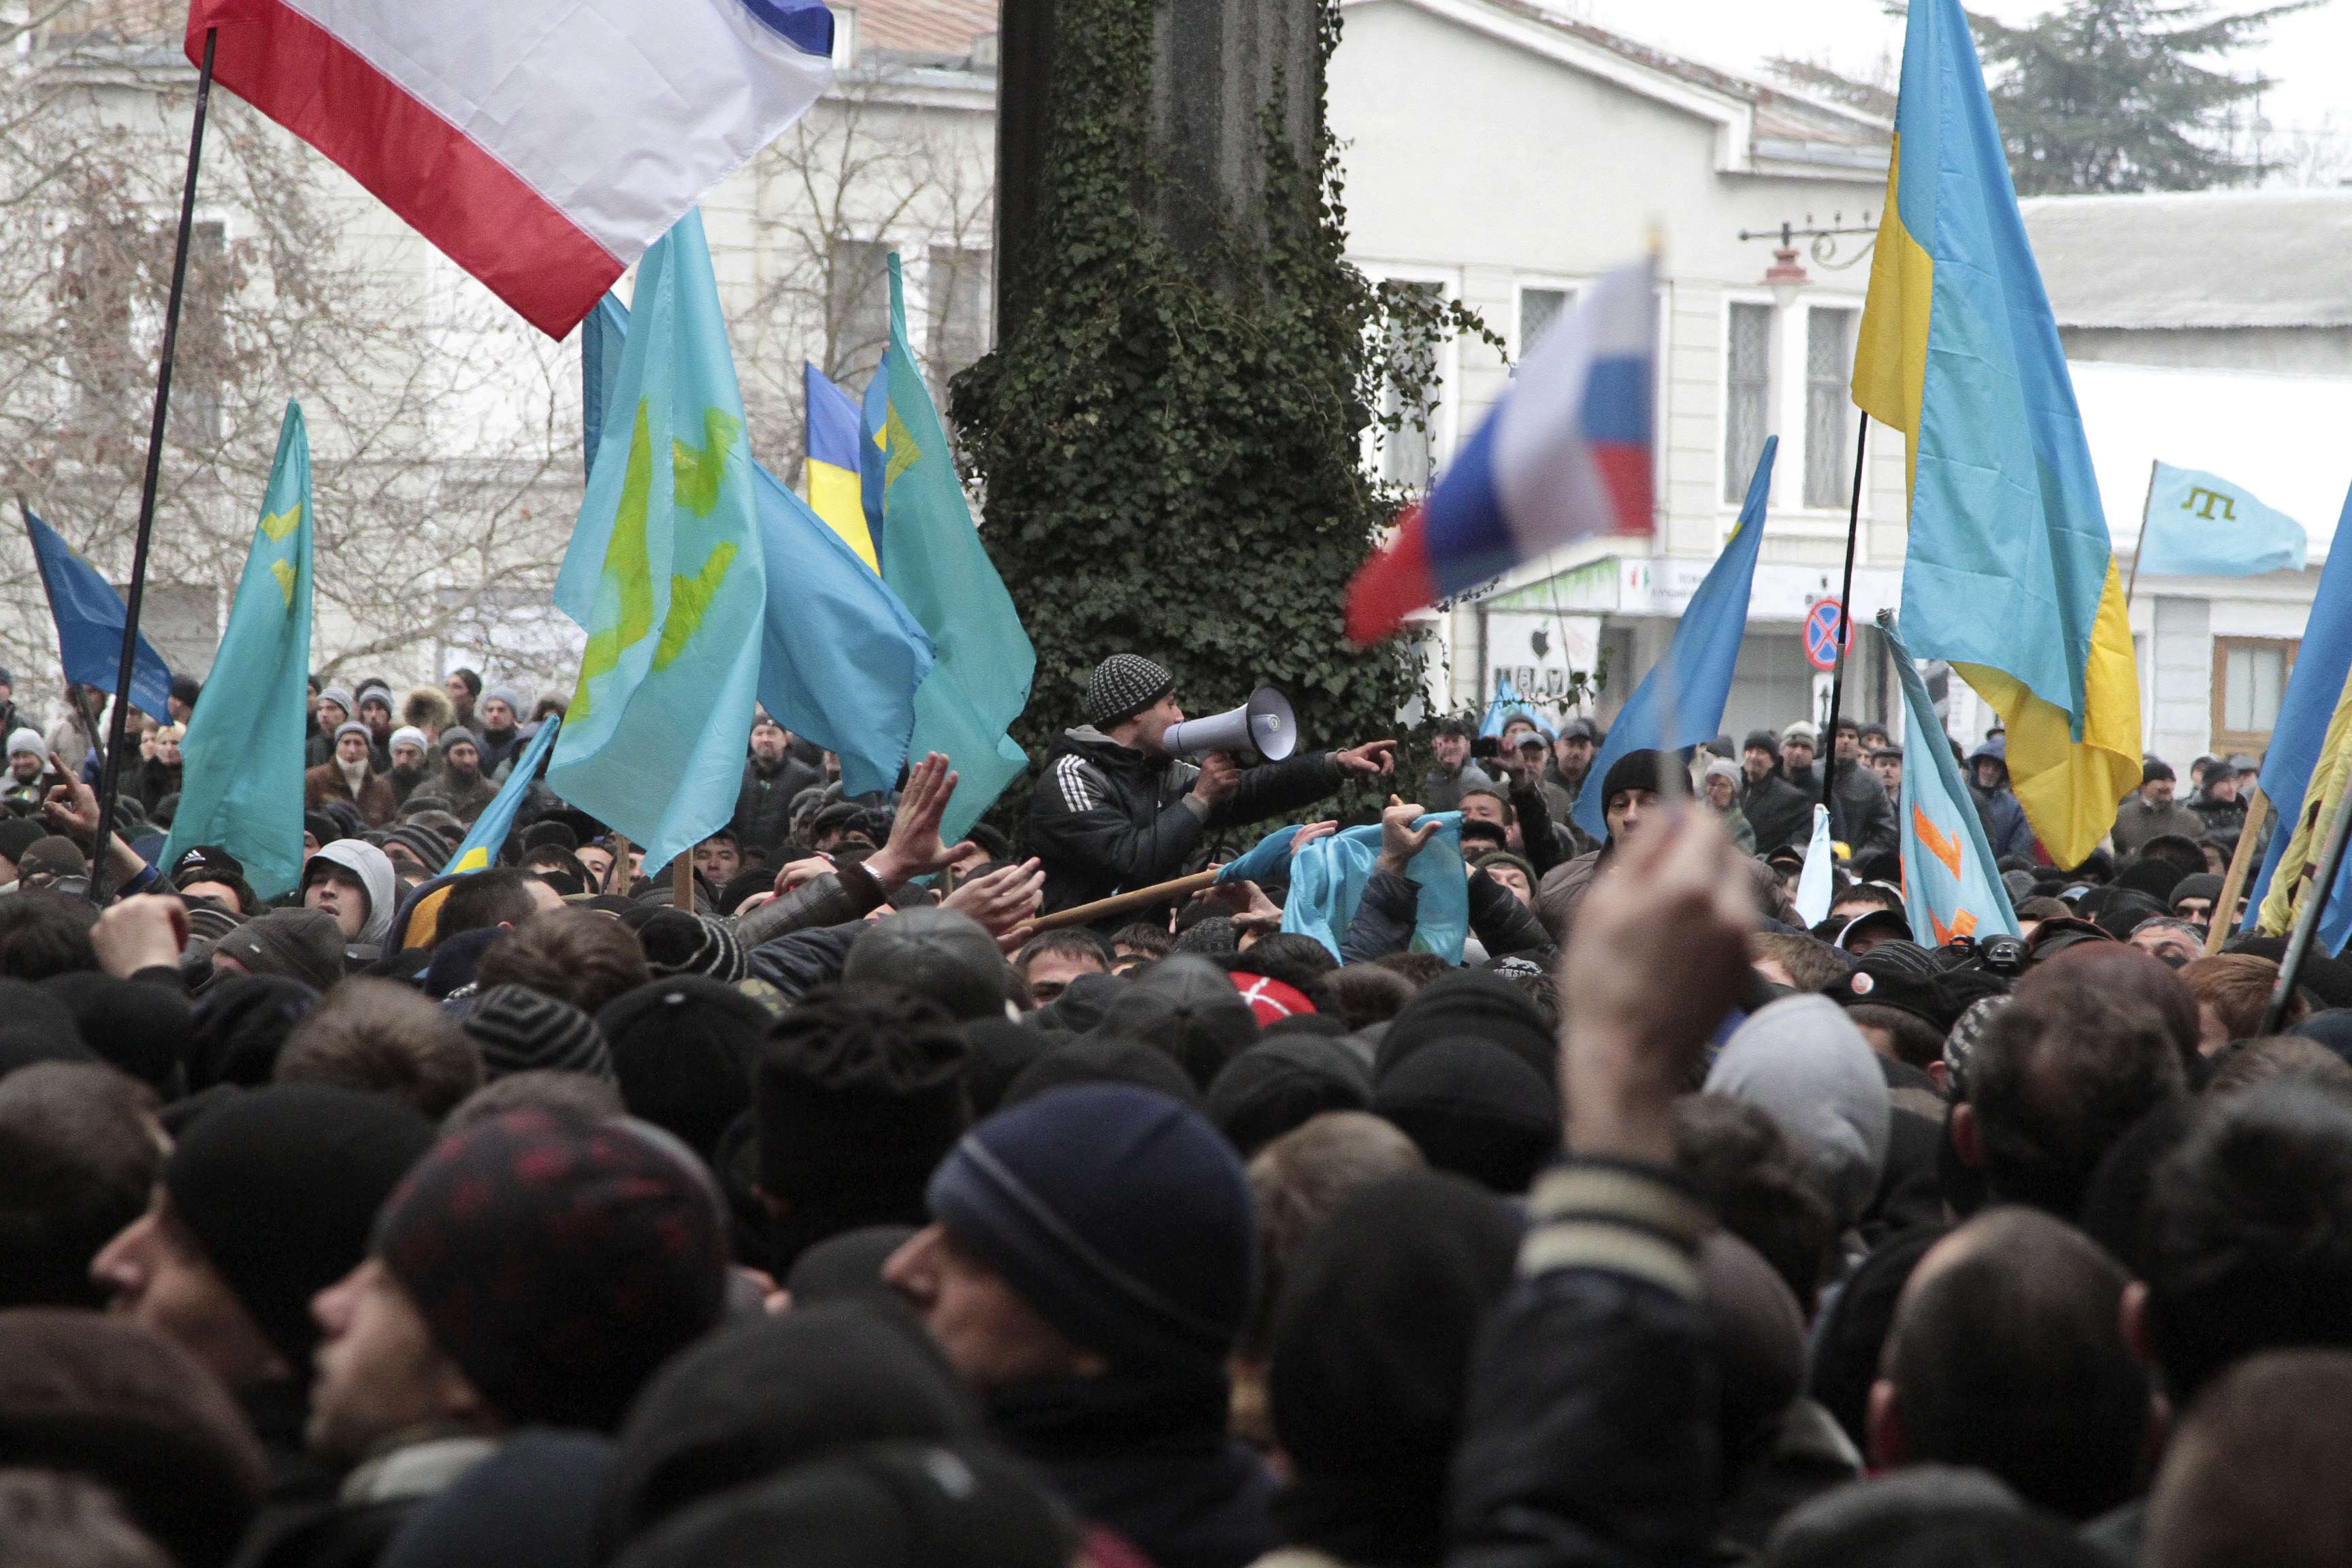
{"type": "Point", "coordinates": [2196, 259]}
{"type": "Point", "coordinates": [939, 28]}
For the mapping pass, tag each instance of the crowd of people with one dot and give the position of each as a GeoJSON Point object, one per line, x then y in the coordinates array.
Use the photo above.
{"type": "Point", "coordinates": [881, 1206]}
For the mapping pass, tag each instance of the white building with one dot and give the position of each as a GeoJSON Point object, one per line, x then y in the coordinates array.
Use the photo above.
{"type": "Point", "coordinates": [1506, 155]}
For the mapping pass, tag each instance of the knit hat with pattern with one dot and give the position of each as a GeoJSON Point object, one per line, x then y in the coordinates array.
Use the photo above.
{"type": "Point", "coordinates": [1124, 685]}
{"type": "Point", "coordinates": [520, 1030]}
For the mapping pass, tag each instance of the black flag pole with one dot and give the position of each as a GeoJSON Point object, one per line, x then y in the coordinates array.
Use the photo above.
{"type": "Point", "coordinates": [1845, 615]}
{"type": "Point", "coordinates": [110, 778]}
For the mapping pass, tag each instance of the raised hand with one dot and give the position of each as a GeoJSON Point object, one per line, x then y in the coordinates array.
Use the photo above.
{"type": "Point", "coordinates": [1399, 840]}
{"type": "Point", "coordinates": [914, 849]}
{"type": "Point", "coordinates": [1002, 901]}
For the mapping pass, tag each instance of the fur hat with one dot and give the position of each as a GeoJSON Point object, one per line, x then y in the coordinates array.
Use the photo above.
{"type": "Point", "coordinates": [428, 707]}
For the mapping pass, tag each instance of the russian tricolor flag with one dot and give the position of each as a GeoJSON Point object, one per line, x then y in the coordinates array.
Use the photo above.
{"type": "Point", "coordinates": [542, 144]}
{"type": "Point", "coordinates": [1565, 454]}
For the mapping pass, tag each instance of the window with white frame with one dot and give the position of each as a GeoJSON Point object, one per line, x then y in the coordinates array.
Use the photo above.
{"type": "Point", "coordinates": [1748, 393]}
{"type": "Point", "coordinates": [1540, 307]}
{"type": "Point", "coordinates": [1408, 453]}
{"type": "Point", "coordinates": [1828, 411]}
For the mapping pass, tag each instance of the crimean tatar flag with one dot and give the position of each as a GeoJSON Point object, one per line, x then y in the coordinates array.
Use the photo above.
{"type": "Point", "coordinates": [542, 144]}
{"type": "Point", "coordinates": [835, 466]}
{"type": "Point", "coordinates": [2010, 574]}
{"type": "Point", "coordinates": [1565, 454]}
{"type": "Point", "coordinates": [241, 763]}
{"type": "Point", "coordinates": [666, 574]}
{"type": "Point", "coordinates": [1950, 886]}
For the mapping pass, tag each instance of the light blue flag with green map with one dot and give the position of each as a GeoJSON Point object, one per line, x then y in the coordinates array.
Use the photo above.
{"type": "Point", "coordinates": [241, 761]}
{"type": "Point", "coordinates": [665, 574]}
{"type": "Point", "coordinates": [932, 555]}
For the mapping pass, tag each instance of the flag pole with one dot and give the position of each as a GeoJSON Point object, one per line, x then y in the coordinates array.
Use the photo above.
{"type": "Point", "coordinates": [2307, 915]}
{"type": "Point", "coordinates": [2139, 545]}
{"type": "Point", "coordinates": [110, 772]}
{"type": "Point", "coordinates": [2241, 862]}
{"type": "Point", "coordinates": [1845, 614]}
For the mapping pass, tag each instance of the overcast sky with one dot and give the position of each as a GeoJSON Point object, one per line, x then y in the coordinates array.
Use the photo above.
{"type": "Point", "coordinates": [2308, 53]}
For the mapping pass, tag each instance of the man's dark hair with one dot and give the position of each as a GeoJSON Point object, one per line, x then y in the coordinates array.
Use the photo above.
{"type": "Point", "coordinates": [1484, 833]}
{"type": "Point", "coordinates": [1457, 726]}
{"type": "Point", "coordinates": [77, 1160]}
{"type": "Point", "coordinates": [1070, 942]}
{"type": "Point", "coordinates": [471, 677]}
{"type": "Point", "coordinates": [1847, 725]}
{"type": "Point", "coordinates": [573, 955]}
{"type": "Point", "coordinates": [2009, 1357]}
{"type": "Point", "coordinates": [1870, 893]}
{"type": "Point", "coordinates": [2058, 1076]}
{"type": "Point", "coordinates": [1418, 968]}
{"type": "Point", "coordinates": [1760, 1188]}
{"type": "Point", "coordinates": [2154, 770]}
{"type": "Point", "coordinates": [499, 896]}
{"type": "Point", "coordinates": [1145, 939]}
{"type": "Point", "coordinates": [1813, 963]}
{"type": "Point", "coordinates": [1496, 794]}
{"type": "Point", "coordinates": [43, 933]}
{"type": "Point", "coordinates": [1917, 1041]}
{"type": "Point", "coordinates": [2247, 1233]}
{"type": "Point", "coordinates": [1362, 993]}
{"type": "Point", "coordinates": [1292, 957]}
{"type": "Point", "coordinates": [578, 1095]}
{"type": "Point", "coordinates": [377, 1037]}
{"type": "Point", "coordinates": [2254, 1473]}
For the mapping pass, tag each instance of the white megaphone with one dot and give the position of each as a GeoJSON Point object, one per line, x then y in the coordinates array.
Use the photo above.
{"type": "Point", "coordinates": [1263, 726]}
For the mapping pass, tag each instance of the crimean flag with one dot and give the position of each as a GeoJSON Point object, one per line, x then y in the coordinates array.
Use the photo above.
{"type": "Point", "coordinates": [1950, 884]}
{"type": "Point", "coordinates": [242, 759]}
{"type": "Point", "coordinates": [2202, 525]}
{"type": "Point", "coordinates": [480, 846]}
{"type": "Point", "coordinates": [835, 485]}
{"type": "Point", "coordinates": [2010, 573]}
{"type": "Point", "coordinates": [1565, 453]}
{"type": "Point", "coordinates": [666, 574]}
{"type": "Point", "coordinates": [543, 145]}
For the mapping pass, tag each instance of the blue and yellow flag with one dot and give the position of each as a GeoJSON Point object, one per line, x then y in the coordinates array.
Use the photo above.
{"type": "Point", "coordinates": [2306, 720]}
{"type": "Point", "coordinates": [2202, 525]}
{"type": "Point", "coordinates": [241, 762]}
{"type": "Point", "coordinates": [488, 835]}
{"type": "Point", "coordinates": [665, 574]}
{"type": "Point", "coordinates": [932, 555]}
{"type": "Point", "coordinates": [2009, 574]}
{"type": "Point", "coordinates": [90, 615]}
{"type": "Point", "coordinates": [835, 483]}
{"type": "Point", "coordinates": [1951, 887]}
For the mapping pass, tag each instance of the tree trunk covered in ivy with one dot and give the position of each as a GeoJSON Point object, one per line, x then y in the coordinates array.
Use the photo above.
{"type": "Point", "coordinates": [1169, 435]}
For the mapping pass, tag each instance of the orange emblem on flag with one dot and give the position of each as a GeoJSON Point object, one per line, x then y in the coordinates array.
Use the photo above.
{"type": "Point", "coordinates": [1948, 850]}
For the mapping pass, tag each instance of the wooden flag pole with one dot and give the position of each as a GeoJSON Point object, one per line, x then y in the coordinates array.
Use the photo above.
{"type": "Point", "coordinates": [1120, 903]}
{"type": "Point", "coordinates": [2307, 915]}
{"type": "Point", "coordinates": [2139, 545]}
{"type": "Point", "coordinates": [2241, 865]}
{"type": "Point", "coordinates": [681, 881]}
{"type": "Point", "coordinates": [111, 768]}
{"type": "Point", "coordinates": [620, 865]}
{"type": "Point", "coordinates": [1827, 746]}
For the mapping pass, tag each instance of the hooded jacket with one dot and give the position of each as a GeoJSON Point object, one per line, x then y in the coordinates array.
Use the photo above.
{"type": "Point", "coordinates": [1104, 818]}
{"type": "Point", "coordinates": [2006, 829]}
{"type": "Point", "coordinates": [374, 870]}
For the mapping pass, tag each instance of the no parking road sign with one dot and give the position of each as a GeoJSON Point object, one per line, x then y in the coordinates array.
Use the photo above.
{"type": "Point", "coordinates": [1825, 633]}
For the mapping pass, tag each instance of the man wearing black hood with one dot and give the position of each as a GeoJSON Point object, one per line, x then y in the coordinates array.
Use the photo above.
{"type": "Point", "coordinates": [1114, 810]}
{"type": "Point", "coordinates": [1088, 1269]}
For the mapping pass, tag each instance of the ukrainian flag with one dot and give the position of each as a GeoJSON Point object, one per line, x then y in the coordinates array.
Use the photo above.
{"type": "Point", "coordinates": [835, 488]}
{"type": "Point", "coordinates": [2009, 574]}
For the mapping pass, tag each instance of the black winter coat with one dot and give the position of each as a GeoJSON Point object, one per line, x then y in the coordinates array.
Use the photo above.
{"type": "Point", "coordinates": [1106, 817]}
{"type": "Point", "coordinates": [1781, 813]}
{"type": "Point", "coordinates": [763, 807]}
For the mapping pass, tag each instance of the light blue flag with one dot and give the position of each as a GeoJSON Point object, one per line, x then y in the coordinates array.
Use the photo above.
{"type": "Point", "coordinates": [1506, 707]}
{"type": "Point", "coordinates": [1698, 660]}
{"type": "Point", "coordinates": [1327, 878]}
{"type": "Point", "coordinates": [242, 758]}
{"type": "Point", "coordinates": [2321, 664]}
{"type": "Point", "coordinates": [932, 555]}
{"type": "Point", "coordinates": [88, 614]}
{"type": "Point", "coordinates": [1267, 857]}
{"type": "Point", "coordinates": [666, 574]}
{"type": "Point", "coordinates": [1950, 884]}
{"type": "Point", "coordinates": [841, 656]}
{"type": "Point", "coordinates": [2199, 525]}
{"type": "Point", "coordinates": [602, 337]}
{"type": "Point", "coordinates": [489, 836]}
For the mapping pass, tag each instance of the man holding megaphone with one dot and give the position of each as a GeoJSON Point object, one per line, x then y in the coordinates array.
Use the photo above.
{"type": "Point", "coordinates": [1117, 807]}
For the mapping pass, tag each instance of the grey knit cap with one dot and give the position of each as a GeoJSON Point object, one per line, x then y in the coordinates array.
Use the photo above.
{"type": "Point", "coordinates": [520, 1030]}
{"type": "Point", "coordinates": [1124, 685]}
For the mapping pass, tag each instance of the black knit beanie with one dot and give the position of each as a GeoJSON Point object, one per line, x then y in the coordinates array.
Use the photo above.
{"type": "Point", "coordinates": [520, 1030]}
{"type": "Point", "coordinates": [136, 1026]}
{"type": "Point", "coordinates": [1123, 1219]}
{"type": "Point", "coordinates": [280, 1186]}
{"type": "Point", "coordinates": [1479, 1005]}
{"type": "Point", "coordinates": [1103, 1058]}
{"type": "Point", "coordinates": [1475, 1108]}
{"type": "Point", "coordinates": [1282, 1082]}
{"type": "Point", "coordinates": [683, 1051]}
{"type": "Point", "coordinates": [558, 1262]}
{"type": "Point", "coordinates": [1122, 686]}
{"type": "Point", "coordinates": [1635, 770]}
{"type": "Point", "coordinates": [239, 1024]}
{"type": "Point", "coordinates": [678, 941]}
